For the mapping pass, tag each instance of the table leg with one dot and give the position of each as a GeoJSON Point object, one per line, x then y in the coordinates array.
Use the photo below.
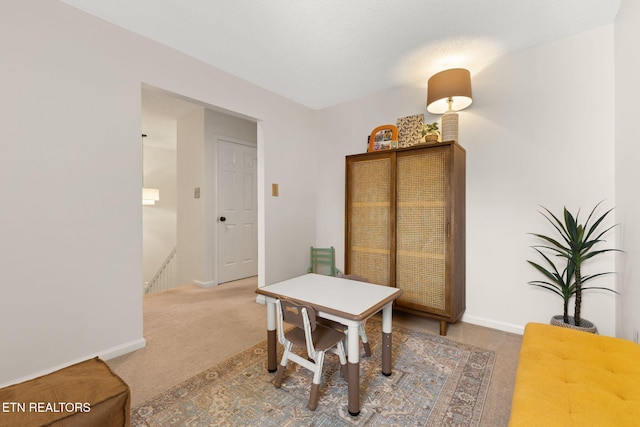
{"type": "Point", "coordinates": [353, 370]}
{"type": "Point", "coordinates": [272, 355]}
{"type": "Point", "coordinates": [386, 339]}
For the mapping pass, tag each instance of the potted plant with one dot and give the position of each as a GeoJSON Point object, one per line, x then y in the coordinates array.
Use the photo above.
{"type": "Point", "coordinates": [430, 132]}
{"type": "Point", "coordinates": [575, 244]}
{"type": "Point", "coordinates": [561, 284]}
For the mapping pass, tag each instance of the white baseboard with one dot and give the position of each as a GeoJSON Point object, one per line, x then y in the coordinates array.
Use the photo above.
{"type": "Point", "coordinates": [120, 350]}
{"type": "Point", "coordinates": [501, 326]}
{"type": "Point", "coordinates": [104, 355]}
{"type": "Point", "coordinates": [207, 284]}
{"type": "Point", "coordinates": [260, 299]}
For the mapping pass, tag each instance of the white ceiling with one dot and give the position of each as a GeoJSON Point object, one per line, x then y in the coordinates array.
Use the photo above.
{"type": "Point", "coordinates": [324, 52]}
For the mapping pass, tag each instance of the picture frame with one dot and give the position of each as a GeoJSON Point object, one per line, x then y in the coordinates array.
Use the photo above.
{"type": "Point", "coordinates": [410, 130]}
{"type": "Point", "coordinates": [383, 137]}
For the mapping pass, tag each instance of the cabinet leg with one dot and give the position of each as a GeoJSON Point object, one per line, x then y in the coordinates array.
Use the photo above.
{"type": "Point", "coordinates": [443, 327]}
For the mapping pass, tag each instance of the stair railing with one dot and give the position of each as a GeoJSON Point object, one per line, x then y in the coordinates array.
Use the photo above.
{"type": "Point", "coordinates": [165, 277]}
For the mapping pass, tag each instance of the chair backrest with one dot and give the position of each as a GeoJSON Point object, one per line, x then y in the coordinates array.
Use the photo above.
{"type": "Point", "coordinates": [300, 316]}
{"type": "Point", "coordinates": [293, 314]}
{"type": "Point", "coordinates": [323, 261]}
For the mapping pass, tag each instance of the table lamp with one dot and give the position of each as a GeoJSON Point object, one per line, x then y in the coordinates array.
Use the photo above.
{"type": "Point", "coordinates": [449, 91]}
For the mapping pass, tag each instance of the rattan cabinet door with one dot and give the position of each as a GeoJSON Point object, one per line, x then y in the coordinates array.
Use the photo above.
{"type": "Point", "coordinates": [405, 226]}
{"type": "Point", "coordinates": [369, 218]}
{"type": "Point", "coordinates": [421, 222]}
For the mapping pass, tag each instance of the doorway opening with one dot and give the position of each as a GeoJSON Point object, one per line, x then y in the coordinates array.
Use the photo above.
{"type": "Point", "coordinates": [182, 232]}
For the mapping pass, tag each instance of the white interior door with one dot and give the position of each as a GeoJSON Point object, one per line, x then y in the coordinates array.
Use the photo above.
{"type": "Point", "coordinates": [237, 211]}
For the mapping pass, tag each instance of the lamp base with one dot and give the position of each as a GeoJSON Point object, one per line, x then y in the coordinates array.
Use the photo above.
{"type": "Point", "coordinates": [450, 126]}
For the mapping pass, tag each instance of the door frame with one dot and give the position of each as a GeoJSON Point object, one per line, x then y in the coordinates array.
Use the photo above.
{"type": "Point", "coordinates": [212, 208]}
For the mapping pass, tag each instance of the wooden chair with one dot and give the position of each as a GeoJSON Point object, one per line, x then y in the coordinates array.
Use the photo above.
{"type": "Point", "coordinates": [315, 337]}
{"type": "Point", "coordinates": [323, 261]}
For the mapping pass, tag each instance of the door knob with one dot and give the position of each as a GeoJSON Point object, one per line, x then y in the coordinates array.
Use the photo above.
{"type": "Point", "coordinates": [222, 219]}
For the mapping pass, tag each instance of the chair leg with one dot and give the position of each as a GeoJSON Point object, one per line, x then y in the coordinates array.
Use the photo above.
{"type": "Point", "coordinates": [365, 341]}
{"type": "Point", "coordinates": [317, 373]}
{"type": "Point", "coordinates": [313, 397]}
{"type": "Point", "coordinates": [277, 381]}
{"type": "Point", "coordinates": [317, 379]}
{"type": "Point", "coordinates": [343, 359]}
{"type": "Point", "coordinates": [367, 349]}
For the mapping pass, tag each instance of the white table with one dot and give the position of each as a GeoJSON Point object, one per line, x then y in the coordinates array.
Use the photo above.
{"type": "Point", "coordinates": [348, 302]}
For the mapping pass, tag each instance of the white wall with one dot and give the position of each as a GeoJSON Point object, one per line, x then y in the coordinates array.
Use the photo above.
{"type": "Point", "coordinates": [159, 220]}
{"type": "Point", "coordinates": [72, 257]}
{"type": "Point", "coordinates": [191, 234]}
{"type": "Point", "coordinates": [540, 132]}
{"type": "Point", "coordinates": [627, 63]}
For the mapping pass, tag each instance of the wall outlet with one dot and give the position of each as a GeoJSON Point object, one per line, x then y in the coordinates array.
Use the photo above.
{"type": "Point", "coordinates": [635, 337]}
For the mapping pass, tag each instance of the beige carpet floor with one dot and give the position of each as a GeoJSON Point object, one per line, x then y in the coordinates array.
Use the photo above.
{"type": "Point", "coordinates": [190, 329]}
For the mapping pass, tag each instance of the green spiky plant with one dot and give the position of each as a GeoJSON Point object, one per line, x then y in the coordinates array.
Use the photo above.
{"type": "Point", "coordinates": [576, 245]}
{"type": "Point", "coordinates": [559, 283]}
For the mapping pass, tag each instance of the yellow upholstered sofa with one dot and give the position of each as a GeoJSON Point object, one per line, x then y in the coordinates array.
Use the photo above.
{"type": "Point", "coordinates": [571, 378]}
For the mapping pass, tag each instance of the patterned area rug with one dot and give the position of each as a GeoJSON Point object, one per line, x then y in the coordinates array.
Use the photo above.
{"type": "Point", "coordinates": [435, 382]}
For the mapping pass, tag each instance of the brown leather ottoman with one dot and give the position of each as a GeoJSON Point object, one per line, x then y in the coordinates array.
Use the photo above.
{"type": "Point", "coordinates": [85, 394]}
